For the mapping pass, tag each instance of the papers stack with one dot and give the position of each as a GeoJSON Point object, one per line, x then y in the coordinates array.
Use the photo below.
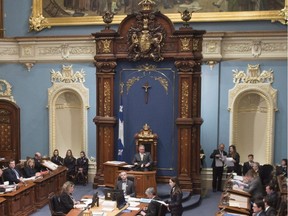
{"type": "Point", "coordinates": [108, 205]}
{"type": "Point", "coordinates": [145, 200]}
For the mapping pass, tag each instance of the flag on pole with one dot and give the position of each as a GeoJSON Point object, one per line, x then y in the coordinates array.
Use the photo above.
{"type": "Point", "coordinates": [120, 132]}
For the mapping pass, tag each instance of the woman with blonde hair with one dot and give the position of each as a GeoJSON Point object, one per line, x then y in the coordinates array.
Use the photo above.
{"type": "Point", "coordinates": [67, 202]}
{"type": "Point", "coordinates": [29, 169]}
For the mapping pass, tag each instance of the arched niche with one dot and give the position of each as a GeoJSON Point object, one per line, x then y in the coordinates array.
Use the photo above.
{"type": "Point", "coordinates": [68, 101]}
{"type": "Point", "coordinates": [252, 106]}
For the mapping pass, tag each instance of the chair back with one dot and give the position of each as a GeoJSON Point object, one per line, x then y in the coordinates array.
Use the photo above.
{"type": "Point", "coordinates": [162, 210]}
{"type": "Point", "coordinates": [53, 205]}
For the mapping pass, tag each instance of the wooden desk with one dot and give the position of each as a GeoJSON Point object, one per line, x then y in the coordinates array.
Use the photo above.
{"type": "Point", "coordinates": [229, 202]}
{"type": "Point", "coordinates": [21, 201]}
{"type": "Point", "coordinates": [221, 213]}
{"type": "Point", "coordinates": [2, 206]}
{"type": "Point", "coordinates": [240, 192]}
{"type": "Point", "coordinates": [111, 173]}
{"type": "Point", "coordinates": [51, 182]}
{"type": "Point", "coordinates": [143, 180]}
{"type": "Point", "coordinates": [77, 212]}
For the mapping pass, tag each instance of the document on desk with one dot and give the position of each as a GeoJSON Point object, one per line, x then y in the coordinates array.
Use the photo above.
{"type": "Point", "coordinates": [234, 203]}
{"type": "Point", "coordinates": [145, 200]}
{"type": "Point", "coordinates": [159, 201]}
{"type": "Point", "coordinates": [116, 162]}
{"type": "Point", "coordinates": [133, 208]}
{"type": "Point", "coordinates": [108, 209]}
{"type": "Point", "coordinates": [134, 204]}
{"type": "Point", "coordinates": [97, 213]}
{"type": "Point", "coordinates": [81, 206]}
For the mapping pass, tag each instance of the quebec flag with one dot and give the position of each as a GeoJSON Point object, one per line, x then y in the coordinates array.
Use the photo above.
{"type": "Point", "coordinates": [120, 133]}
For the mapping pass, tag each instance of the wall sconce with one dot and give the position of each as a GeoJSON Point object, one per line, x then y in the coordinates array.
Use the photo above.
{"type": "Point", "coordinates": [211, 64]}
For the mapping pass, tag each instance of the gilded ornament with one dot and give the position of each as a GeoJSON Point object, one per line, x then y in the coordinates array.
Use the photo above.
{"type": "Point", "coordinates": [67, 75]}
{"type": "Point", "coordinates": [106, 46]}
{"type": "Point", "coordinates": [253, 75]}
{"type": "Point", "coordinates": [185, 44]}
{"type": "Point", "coordinates": [107, 99]}
{"type": "Point", "coordinates": [36, 23]}
{"type": "Point", "coordinates": [184, 99]}
{"type": "Point", "coordinates": [146, 39]}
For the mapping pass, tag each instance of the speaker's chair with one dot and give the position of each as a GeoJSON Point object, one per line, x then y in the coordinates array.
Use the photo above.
{"type": "Point", "coordinates": [149, 139]}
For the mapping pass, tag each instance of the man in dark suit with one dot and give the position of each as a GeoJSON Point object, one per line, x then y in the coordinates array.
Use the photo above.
{"type": "Point", "coordinates": [272, 195]}
{"type": "Point", "coordinates": [217, 165]}
{"type": "Point", "coordinates": [38, 162]}
{"type": "Point", "coordinates": [11, 174]}
{"type": "Point", "coordinates": [258, 208]}
{"type": "Point", "coordinates": [153, 207]}
{"type": "Point", "coordinates": [126, 185]}
{"type": "Point", "coordinates": [269, 210]}
{"type": "Point", "coordinates": [254, 186]}
{"type": "Point", "coordinates": [142, 160]}
{"type": "Point", "coordinates": [248, 164]}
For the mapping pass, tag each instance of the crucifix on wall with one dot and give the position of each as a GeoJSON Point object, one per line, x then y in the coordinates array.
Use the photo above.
{"type": "Point", "coordinates": [146, 88]}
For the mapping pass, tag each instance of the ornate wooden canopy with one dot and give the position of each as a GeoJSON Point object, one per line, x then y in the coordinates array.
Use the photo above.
{"type": "Point", "coordinates": [149, 35]}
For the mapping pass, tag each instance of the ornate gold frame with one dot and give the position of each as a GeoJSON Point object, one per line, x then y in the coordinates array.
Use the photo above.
{"type": "Point", "coordinates": [38, 21]}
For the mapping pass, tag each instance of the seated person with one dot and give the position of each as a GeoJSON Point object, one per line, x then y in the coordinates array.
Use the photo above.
{"type": "Point", "coordinates": [29, 169]}
{"type": "Point", "coordinates": [272, 195]}
{"type": "Point", "coordinates": [67, 202]}
{"type": "Point", "coordinates": [12, 175]}
{"type": "Point", "coordinates": [248, 164]}
{"type": "Point", "coordinates": [282, 169]}
{"type": "Point", "coordinates": [269, 209]}
{"type": "Point", "coordinates": [153, 207]}
{"type": "Point", "coordinates": [126, 185]}
{"type": "Point", "coordinates": [56, 158]}
{"type": "Point", "coordinates": [254, 185]}
{"type": "Point", "coordinates": [70, 163]}
{"type": "Point", "coordinates": [38, 162]}
{"type": "Point", "coordinates": [142, 161]}
{"type": "Point", "coordinates": [258, 208]}
{"type": "Point", "coordinates": [2, 186]}
{"type": "Point", "coordinates": [82, 169]}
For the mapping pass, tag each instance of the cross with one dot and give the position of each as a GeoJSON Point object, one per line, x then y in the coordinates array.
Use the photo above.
{"type": "Point", "coordinates": [146, 88]}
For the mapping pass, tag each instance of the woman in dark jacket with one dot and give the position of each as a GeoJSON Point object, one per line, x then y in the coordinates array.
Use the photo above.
{"type": "Point", "coordinates": [70, 163]}
{"type": "Point", "coordinates": [175, 204]}
{"type": "Point", "coordinates": [56, 158]}
{"type": "Point", "coordinates": [82, 164]}
{"type": "Point", "coordinates": [29, 169]}
{"type": "Point", "coordinates": [236, 159]}
{"type": "Point", "coordinates": [67, 202]}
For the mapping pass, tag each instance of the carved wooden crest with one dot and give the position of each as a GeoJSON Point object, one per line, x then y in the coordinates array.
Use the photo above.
{"type": "Point", "coordinates": [146, 38]}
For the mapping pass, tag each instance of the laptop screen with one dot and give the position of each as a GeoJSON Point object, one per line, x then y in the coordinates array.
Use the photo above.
{"type": "Point", "coordinates": [120, 199]}
{"type": "Point", "coordinates": [110, 194]}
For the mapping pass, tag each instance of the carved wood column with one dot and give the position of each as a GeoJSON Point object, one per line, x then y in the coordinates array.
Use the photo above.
{"type": "Point", "coordinates": [105, 120]}
{"type": "Point", "coordinates": [189, 109]}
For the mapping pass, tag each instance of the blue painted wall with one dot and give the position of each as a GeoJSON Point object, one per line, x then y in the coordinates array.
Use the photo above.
{"type": "Point", "coordinates": [30, 88]}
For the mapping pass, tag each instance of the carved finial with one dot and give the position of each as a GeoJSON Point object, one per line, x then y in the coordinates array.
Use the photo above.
{"type": "Point", "coordinates": [147, 5]}
{"type": "Point", "coordinates": [108, 18]}
{"type": "Point", "coordinates": [186, 16]}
